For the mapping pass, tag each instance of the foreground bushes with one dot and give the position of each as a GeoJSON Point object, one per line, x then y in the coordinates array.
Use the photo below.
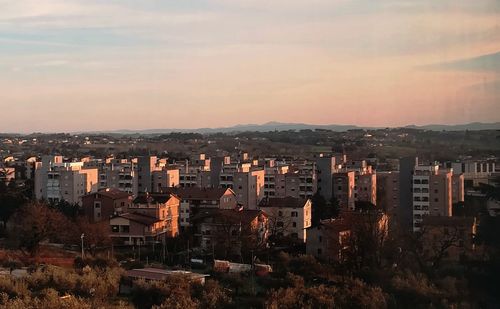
{"type": "Point", "coordinates": [48, 283]}
{"type": "Point", "coordinates": [178, 292]}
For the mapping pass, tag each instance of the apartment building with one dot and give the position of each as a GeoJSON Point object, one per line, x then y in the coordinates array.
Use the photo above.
{"type": "Point", "coordinates": [458, 187]}
{"type": "Point", "coordinates": [288, 216]}
{"type": "Point", "coordinates": [274, 178]}
{"type": "Point", "coordinates": [308, 184]}
{"type": "Point", "coordinates": [225, 232]}
{"type": "Point", "coordinates": [195, 172]}
{"type": "Point", "coordinates": [246, 181]}
{"type": "Point", "coordinates": [343, 189]}
{"type": "Point", "coordinates": [167, 177]}
{"type": "Point", "coordinates": [295, 179]}
{"type": "Point", "coordinates": [149, 218]}
{"type": "Point", "coordinates": [105, 203]}
{"type": "Point", "coordinates": [118, 174]}
{"type": "Point", "coordinates": [388, 194]}
{"type": "Point", "coordinates": [194, 199]}
{"type": "Point", "coordinates": [365, 188]}
{"type": "Point", "coordinates": [475, 172]}
{"type": "Point", "coordinates": [432, 193]}
{"type": "Point", "coordinates": [325, 167]}
{"type": "Point", "coordinates": [56, 180]}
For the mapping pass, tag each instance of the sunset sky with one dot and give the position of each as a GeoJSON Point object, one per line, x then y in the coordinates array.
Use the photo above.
{"type": "Point", "coordinates": [68, 65]}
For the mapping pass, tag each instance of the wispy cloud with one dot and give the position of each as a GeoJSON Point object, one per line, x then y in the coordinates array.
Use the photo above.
{"type": "Point", "coordinates": [484, 63]}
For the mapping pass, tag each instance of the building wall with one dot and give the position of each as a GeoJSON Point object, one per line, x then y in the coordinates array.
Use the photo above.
{"type": "Point", "coordinates": [107, 206]}
{"type": "Point", "coordinates": [292, 185]}
{"type": "Point", "coordinates": [327, 243]}
{"type": "Point", "coordinates": [343, 189]}
{"type": "Point", "coordinates": [325, 168]}
{"type": "Point", "coordinates": [388, 194]}
{"type": "Point", "coordinates": [441, 194]}
{"type": "Point", "coordinates": [366, 188]}
{"type": "Point", "coordinates": [145, 166]}
{"type": "Point", "coordinates": [294, 220]}
{"type": "Point", "coordinates": [165, 178]}
{"type": "Point", "coordinates": [458, 189]}
{"type": "Point", "coordinates": [405, 217]}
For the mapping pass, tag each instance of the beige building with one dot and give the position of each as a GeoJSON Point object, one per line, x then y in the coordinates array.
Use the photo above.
{"type": "Point", "coordinates": [56, 181]}
{"type": "Point", "coordinates": [167, 177]}
{"type": "Point", "coordinates": [150, 217]}
{"type": "Point", "coordinates": [118, 174]}
{"type": "Point", "coordinates": [194, 199]}
{"type": "Point", "coordinates": [458, 190]}
{"type": "Point", "coordinates": [432, 193]}
{"type": "Point", "coordinates": [288, 216]}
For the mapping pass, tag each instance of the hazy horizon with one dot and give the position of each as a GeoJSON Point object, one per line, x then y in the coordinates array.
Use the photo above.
{"type": "Point", "coordinates": [74, 65]}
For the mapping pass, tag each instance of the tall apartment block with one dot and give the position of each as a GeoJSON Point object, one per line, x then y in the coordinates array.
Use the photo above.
{"type": "Point", "coordinates": [432, 193]}
{"type": "Point", "coordinates": [405, 213]}
{"type": "Point", "coordinates": [325, 167]}
{"type": "Point", "coordinates": [118, 174]}
{"type": "Point", "coordinates": [365, 189]}
{"type": "Point", "coordinates": [343, 189]}
{"type": "Point", "coordinates": [388, 194]}
{"type": "Point", "coordinates": [246, 182]}
{"type": "Point", "coordinates": [56, 181]}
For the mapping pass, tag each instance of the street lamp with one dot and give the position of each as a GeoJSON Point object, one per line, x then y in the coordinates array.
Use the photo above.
{"type": "Point", "coordinates": [81, 237]}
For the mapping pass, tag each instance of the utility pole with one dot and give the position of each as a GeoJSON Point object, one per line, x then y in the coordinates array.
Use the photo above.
{"type": "Point", "coordinates": [81, 237]}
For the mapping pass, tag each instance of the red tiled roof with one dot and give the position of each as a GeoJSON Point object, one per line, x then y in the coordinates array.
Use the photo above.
{"type": "Point", "coordinates": [235, 216]}
{"type": "Point", "coordinates": [139, 218]}
{"type": "Point", "coordinates": [113, 194]}
{"type": "Point", "coordinates": [153, 198]}
{"type": "Point", "coordinates": [195, 193]}
{"type": "Point", "coordinates": [283, 202]}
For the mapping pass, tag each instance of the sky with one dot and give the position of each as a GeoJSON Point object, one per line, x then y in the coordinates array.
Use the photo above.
{"type": "Point", "coordinates": [72, 65]}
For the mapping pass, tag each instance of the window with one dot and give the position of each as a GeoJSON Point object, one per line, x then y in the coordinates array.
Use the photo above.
{"type": "Point", "coordinates": [280, 213]}
{"type": "Point", "coordinates": [125, 228]}
{"type": "Point", "coordinates": [97, 204]}
{"type": "Point", "coordinates": [295, 214]}
{"type": "Point", "coordinates": [294, 224]}
{"type": "Point", "coordinates": [279, 224]}
{"type": "Point", "coordinates": [115, 228]}
{"type": "Point", "coordinates": [320, 239]}
{"type": "Point", "coordinates": [320, 251]}
{"type": "Point", "coordinates": [294, 235]}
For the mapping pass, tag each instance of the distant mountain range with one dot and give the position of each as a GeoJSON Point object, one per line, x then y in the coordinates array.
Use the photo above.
{"type": "Point", "coordinates": [279, 126]}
